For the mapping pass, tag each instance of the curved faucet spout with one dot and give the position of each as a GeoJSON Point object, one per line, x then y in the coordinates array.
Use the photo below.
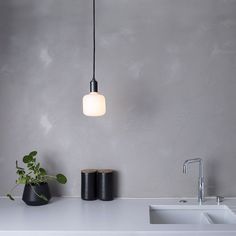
{"type": "Point", "coordinates": [194, 160]}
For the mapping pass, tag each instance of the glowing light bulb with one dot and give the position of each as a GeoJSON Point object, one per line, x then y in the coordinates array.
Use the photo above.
{"type": "Point", "coordinates": [94, 104]}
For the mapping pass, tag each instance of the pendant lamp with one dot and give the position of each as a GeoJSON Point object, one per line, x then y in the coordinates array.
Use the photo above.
{"type": "Point", "coordinates": [94, 104]}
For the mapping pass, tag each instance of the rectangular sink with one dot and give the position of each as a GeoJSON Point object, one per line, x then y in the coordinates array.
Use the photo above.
{"type": "Point", "coordinates": [191, 214]}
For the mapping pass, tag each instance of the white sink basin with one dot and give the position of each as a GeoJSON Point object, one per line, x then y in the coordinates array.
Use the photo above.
{"type": "Point", "coordinates": [191, 214]}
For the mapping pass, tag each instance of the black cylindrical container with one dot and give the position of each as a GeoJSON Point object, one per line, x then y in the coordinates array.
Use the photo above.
{"type": "Point", "coordinates": [105, 185]}
{"type": "Point", "coordinates": [89, 184]}
{"type": "Point", "coordinates": [36, 194]}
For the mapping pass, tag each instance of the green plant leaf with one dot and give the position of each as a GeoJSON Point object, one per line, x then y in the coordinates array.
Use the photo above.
{"type": "Point", "coordinates": [61, 178]}
{"type": "Point", "coordinates": [33, 153]}
{"type": "Point", "coordinates": [27, 159]}
{"type": "Point", "coordinates": [21, 180]}
{"type": "Point", "coordinates": [42, 171]}
{"type": "Point", "coordinates": [20, 172]}
{"type": "Point", "coordinates": [10, 196]}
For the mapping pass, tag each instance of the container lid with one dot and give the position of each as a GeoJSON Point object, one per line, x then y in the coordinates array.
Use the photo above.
{"type": "Point", "coordinates": [105, 171]}
{"type": "Point", "coordinates": [87, 171]}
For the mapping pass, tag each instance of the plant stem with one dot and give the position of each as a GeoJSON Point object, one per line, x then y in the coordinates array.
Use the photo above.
{"type": "Point", "coordinates": [50, 176]}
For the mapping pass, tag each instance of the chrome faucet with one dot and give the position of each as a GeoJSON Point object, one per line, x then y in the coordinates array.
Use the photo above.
{"type": "Point", "coordinates": [200, 179]}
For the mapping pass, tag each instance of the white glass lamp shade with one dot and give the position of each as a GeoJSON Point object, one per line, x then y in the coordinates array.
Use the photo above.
{"type": "Point", "coordinates": [94, 104]}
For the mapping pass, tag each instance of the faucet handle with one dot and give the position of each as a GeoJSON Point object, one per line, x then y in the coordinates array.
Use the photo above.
{"type": "Point", "coordinates": [219, 199]}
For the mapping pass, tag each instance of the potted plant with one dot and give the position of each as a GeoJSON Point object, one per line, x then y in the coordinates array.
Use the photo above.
{"type": "Point", "coordinates": [35, 178]}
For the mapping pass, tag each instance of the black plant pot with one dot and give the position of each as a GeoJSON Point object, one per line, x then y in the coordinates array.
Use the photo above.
{"type": "Point", "coordinates": [32, 199]}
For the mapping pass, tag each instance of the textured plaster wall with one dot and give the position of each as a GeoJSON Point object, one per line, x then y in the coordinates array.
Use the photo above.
{"type": "Point", "coordinates": [167, 69]}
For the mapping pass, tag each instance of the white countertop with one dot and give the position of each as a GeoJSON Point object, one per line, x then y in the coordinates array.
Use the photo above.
{"type": "Point", "coordinates": [120, 215]}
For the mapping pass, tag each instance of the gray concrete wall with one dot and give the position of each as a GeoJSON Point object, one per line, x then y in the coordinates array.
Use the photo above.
{"type": "Point", "coordinates": [167, 69]}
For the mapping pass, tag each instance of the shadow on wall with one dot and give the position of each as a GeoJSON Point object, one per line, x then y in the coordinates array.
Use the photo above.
{"type": "Point", "coordinates": [116, 183]}
{"type": "Point", "coordinates": [7, 20]}
{"type": "Point", "coordinates": [11, 36]}
{"type": "Point", "coordinates": [53, 167]}
{"type": "Point", "coordinates": [138, 102]}
{"type": "Point", "coordinates": [212, 168]}
{"type": "Point", "coordinates": [6, 28]}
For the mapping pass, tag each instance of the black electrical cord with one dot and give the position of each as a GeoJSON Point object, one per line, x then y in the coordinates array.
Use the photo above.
{"type": "Point", "coordinates": [94, 39]}
{"type": "Point", "coordinates": [93, 82]}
